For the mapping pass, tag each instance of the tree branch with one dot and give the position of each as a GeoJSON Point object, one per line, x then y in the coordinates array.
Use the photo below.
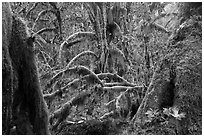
{"type": "Point", "coordinates": [43, 12]}
{"type": "Point", "coordinates": [57, 14]}
{"type": "Point", "coordinates": [80, 70]}
{"type": "Point", "coordinates": [118, 84]}
{"type": "Point", "coordinates": [80, 55]}
{"type": "Point", "coordinates": [158, 27]}
{"type": "Point", "coordinates": [31, 9]}
{"type": "Point", "coordinates": [44, 30]}
{"type": "Point", "coordinates": [121, 88]}
{"type": "Point", "coordinates": [62, 113]}
{"type": "Point", "coordinates": [51, 97]}
{"type": "Point", "coordinates": [140, 110]}
{"type": "Point", "coordinates": [115, 78]}
{"type": "Point", "coordinates": [76, 38]}
{"type": "Point", "coordinates": [91, 79]}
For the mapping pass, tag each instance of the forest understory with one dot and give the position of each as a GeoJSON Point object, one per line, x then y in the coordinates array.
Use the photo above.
{"type": "Point", "coordinates": [102, 68]}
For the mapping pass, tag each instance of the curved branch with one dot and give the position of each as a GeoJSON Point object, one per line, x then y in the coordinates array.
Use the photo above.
{"type": "Point", "coordinates": [78, 35]}
{"type": "Point", "coordinates": [91, 79]}
{"type": "Point", "coordinates": [76, 38]}
{"type": "Point", "coordinates": [80, 55]}
{"type": "Point", "coordinates": [68, 45]}
{"type": "Point", "coordinates": [44, 30]}
{"type": "Point", "coordinates": [80, 70]}
{"type": "Point", "coordinates": [32, 8]}
{"type": "Point", "coordinates": [43, 12]}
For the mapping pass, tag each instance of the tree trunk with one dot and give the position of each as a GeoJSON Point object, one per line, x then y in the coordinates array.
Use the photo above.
{"type": "Point", "coordinates": [24, 108]}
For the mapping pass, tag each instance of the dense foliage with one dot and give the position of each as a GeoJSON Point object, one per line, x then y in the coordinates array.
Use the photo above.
{"type": "Point", "coordinates": [102, 65]}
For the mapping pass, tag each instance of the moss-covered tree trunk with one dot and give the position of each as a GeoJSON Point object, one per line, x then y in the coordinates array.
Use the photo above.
{"type": "Point", "coordinates": [24, 108]}
{"type": "Point", "coordinates": [7, 73]}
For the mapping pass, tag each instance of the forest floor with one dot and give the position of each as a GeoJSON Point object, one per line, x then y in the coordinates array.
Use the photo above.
{"type": "Point", "coordinates": [93, 127]}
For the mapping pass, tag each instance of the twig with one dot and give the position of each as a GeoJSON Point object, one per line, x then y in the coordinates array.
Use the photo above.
{"type": "Point", "coordinates": [118, 84]}
{"type": "Point", "coordinates": [116, 99]}
{"type": "Point", "coordinates": [121, 88]}
{"type": "Point", "coordinates": [38, 37]}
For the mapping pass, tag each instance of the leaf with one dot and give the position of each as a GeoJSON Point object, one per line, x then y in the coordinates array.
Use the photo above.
{"type": "Point", "coordinates": [151, 113]}
{"type": "Point", "coordinates": [166, 111]}
{"type": "Point", "coordinates": [176, 113]}
{"type": "Point", "coordinates": [148, 112]}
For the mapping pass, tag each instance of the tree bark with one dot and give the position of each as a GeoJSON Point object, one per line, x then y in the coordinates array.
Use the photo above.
{"type": "Point", "coordinates": [25, 111]}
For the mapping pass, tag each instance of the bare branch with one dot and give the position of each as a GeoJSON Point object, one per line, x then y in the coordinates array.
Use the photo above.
{"type": "Point", "coordinates": [44, 58]}
{"type": "Point", "coordinates": [110, 102]}
{"type": "Point", "coordinates": [38, 37]}
{"type": "Point", "coordinates": [76, 38]}
{"type": "Point", "coordinates": [116, 100]}
{"type": "Point", "coordinates": [119, 97]}
{"type": "Point", "coordinates": [115, 78]}
{"type": "Point", "coordinates": [158, 27]}
{"type": "Point", "coordinates": [51, 97]}
{"type": "Point", "coordinates": [22, 10]}
{"type": "Point", "coordinates": [43, 12]}
{"type": "Point", "coordinates": [80, 70]}
{"type": "Point", "coordinates": [68, 45]}
{"type": "Point", "coordinates": [106, 115]}
{"type": "Point", "coordinates": [148, 92]}
{"type": "Point", "coordinates": [85, 35]}
{"type": "Point", "coordinates": [32, 8]}
{"type": "Point", "coordinates": [91, 79]}
{"type": "Point", "coordinates": [118, 84]}
{"type": "Point", "coordinates": [122, 88]}
{"type": "Point", "coordinates": [44, 30]}
{"type": "Point", "coordinates": [80, 55]}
